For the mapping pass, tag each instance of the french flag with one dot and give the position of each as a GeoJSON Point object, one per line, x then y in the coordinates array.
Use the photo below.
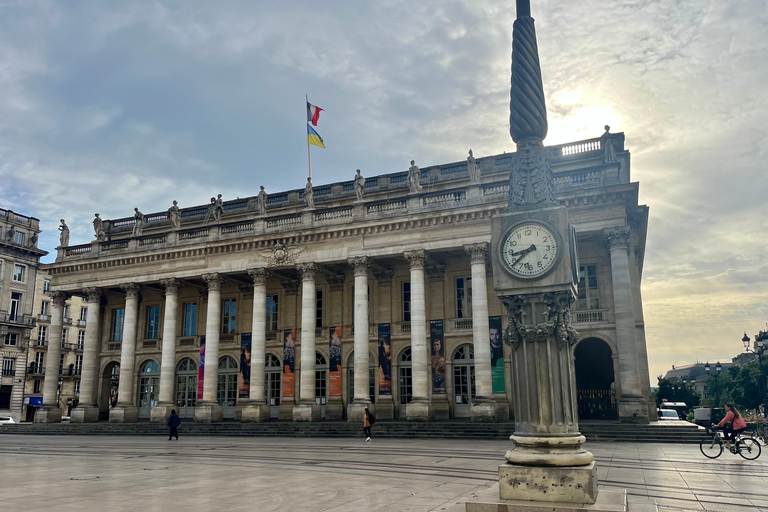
{"type": "Point", "coordinates": [313, 113]}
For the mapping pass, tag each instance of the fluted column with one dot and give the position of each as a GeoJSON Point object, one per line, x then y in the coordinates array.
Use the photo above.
{"type": "Point", "coordinates": [87, 411]}
{"type": "Point", "coordinates": [50, 412]}
{"type": "Point", "coordinates": [162, 410]}
{"type": "Point", "coordinates": [420, 407]}
{"type": "Point", "coordinates": [632, 405]}
{"type": "Point", "coordinates": [356, 409]}
{"type": "Point", "coordinates": [483, 406]}
{"type": "Point", "coordinates": [126, 411]}
{"type": "Point", "coordinates": [307, 409]}
{"type": "Point", "coordinates": [208, 409]}
{"type": "Point", "coordinates": [257, 408]}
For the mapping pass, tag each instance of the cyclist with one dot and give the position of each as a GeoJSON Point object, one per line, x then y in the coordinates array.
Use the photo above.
{"type": "Point", "coordinates": [737, 426]}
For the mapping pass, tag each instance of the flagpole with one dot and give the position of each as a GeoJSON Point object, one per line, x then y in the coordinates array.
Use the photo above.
{"type": "Point", "coordinates": [309, 154]}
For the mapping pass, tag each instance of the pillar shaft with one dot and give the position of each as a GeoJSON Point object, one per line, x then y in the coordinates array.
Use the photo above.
{"type": "Point", "coordinates": [480, 330]}
{"type": "Point", "coordinates": [361, 264]}
{"type": "Point", "coordinates": [259, 335]}
{"type": "Point", "coordinates": [51, 382]}
{"type": "Point", "coordinates": [212, 334]}
{"type": "Point", "coordinates": [128, 348]}
{"type": "Point", "coordinates": [308, 306]}
{"type": "Point", "coordinates": [91, 347]}
{"type": "Point", "coordinates": [168, 361]}
{"type": "Point", "coordinates": [419, 355]}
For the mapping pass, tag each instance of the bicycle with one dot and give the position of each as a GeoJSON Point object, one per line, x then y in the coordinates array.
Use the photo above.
{"type": "Point", "coordinates": [712, 445]}
{"type": "Point", "coordinates": [761, 434]}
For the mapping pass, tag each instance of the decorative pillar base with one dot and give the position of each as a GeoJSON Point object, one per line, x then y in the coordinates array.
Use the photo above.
{"type": "Point", "coordinates": [161, 412]}
{"type": "Point", "coordinates": [419, 410]}
{"type": "Point", "coordinates": [569, 484]}
{"type": "Point", "coordinates": [503, 411]}
{"type": "Point", "coordinates": [483, 409]}
{"type": "Point", "coordinates": [84, 414]}
{"type": "Point", "coordinates": [285, 410]}
{"type": "Point", "coordinates": [208, 412]}
{"type": "Point", "coordinates": [334, 408]}
{"type": "Point", "coordinates": [440, 408]}
{"type": "Point", "coordinates": [355, 411]}
{"type": "Point", "coordinates": [385, 408]}
{"type": "Point", "coordinates": [633, 410]}
{"type": "Point", "coordinates": [48, 414]}
{"type": "Point", "coordinates": [552, 450]}
{"type": "Point", "coordinates": [123, 414]}
{"type": "Point", "coordinates": [306, 412]}
{"type": "Point", "coordinates": [254, 413]}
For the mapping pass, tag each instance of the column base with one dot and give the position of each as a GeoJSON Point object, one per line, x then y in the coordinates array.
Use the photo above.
{"type": "Point", "coordinates": [208, 412]}
{"type": "Point", "coordinates": [483, 410]}
{"type": "Point", "coordinates": [553, 450]}
{"type": "Point", "coordinates": [419, 410]}
{"type": "Point", "coordinates": [334, 408]}
{"type": "Point", "coordinates": [255, 413]}
{"type": "Point", "coordinates": [306, 412]}
{"type": "Point", "coordinates": [633, 410]}
{"type": "Point", "coordinates": [161, 412]}
{"type": "Point", "coordinates": [84, 414]}
{"type": "Point", "coordinates": [385, 408]}
{"type": "Point", "coordinates": [502, 407]}
{"type": "Point", "coordinates": [440, 408]}
{"type": "Point", "coordinates": [574, 484]}
{"type": "Point", "coordinates": [285, 409]}
{"type": "Point", "coordinates": [123, 414]}
{"type": "Point", "coordinates": [48, 414]}
{"type": "Point", "coordinates": [356, 410]}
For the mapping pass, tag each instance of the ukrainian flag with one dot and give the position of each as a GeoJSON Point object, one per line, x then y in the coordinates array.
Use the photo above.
{"type": "Point", "coordinates": [314, 138]}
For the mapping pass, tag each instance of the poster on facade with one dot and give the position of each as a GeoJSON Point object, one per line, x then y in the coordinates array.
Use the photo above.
{"type": "Point", "coordinates": [334, 362]}
{"type": "Point", "coordinates": [289, 358]}
{"type": "Point", "coordinates": [385, 360]}
{"type": "Point", "coordinates": [201, 369]}
{"type": "Point", "coordinates": [244, 378]}
{"type": "Point", "coordinates": [497, 354]}
{"type": "Point", "coordinates": [437, 348]}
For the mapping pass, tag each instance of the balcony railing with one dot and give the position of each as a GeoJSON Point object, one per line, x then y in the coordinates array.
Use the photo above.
{"type": "Point", "coordinates": [81, 323]}
{"type": "Point", "coordinates": [403, 327]}
{"type": "Point", "coordinates": [460, 324]}
{"type": "Point", "coordinates": [41, 343]}
{"type": "Point", "coordinates": [591, 316]}
{"type": "Point", "coordinates": [188, 341]}
{"type": "Point", "coordinates": [25, 320]}
{"type": "Point", "coordinates": [8, 372]}
{"type": "Point", "coordinates": [43, 318]}
{"type": "Point", "coordinates": [67, 321]}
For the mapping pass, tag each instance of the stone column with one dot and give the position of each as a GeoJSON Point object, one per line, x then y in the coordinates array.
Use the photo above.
{"type": "Point", "coordinates": [208, 410]}
{"type": "Point", "coordinates": [257, 409]}
{"type": "Point", "coordinates": [356, 409]}
{"type": "Point", "coordinates": [420, 407]}
{"type": "Point", "coordinates": [633, 407]}
{"type": "Point", "coordinates": [162, 410]}
{"type": "Point", "coordinates": [385, 404]}
{"type": "Point", "coordinates": [125, 411]}
{"type": "Point", "coordinates": [87, 411]}
{"type": "Point", "coordinates": [50, 412]}
{"type": "Point", "coordinates": [484, 405]}
{"type": "Point", "coordinates": [307, 409]}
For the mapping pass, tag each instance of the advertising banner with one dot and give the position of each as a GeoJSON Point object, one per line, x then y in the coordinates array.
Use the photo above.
{"type": "Point", "coordinates": [289, 351]}
{"type": "Point", "coordinates": [244, 379]}
{"type": "Point", "coordinates": [385, 361]}
{"type": "Point", "coordinates": [497, 354]}
{"type": "Point", "coordinates": [437, 348]}
{"type": "Point", "coordinates": [334, 362]}
{"type": "Point", "coordinates": [201, 369]}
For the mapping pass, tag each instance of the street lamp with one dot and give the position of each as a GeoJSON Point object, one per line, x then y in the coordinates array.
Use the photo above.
{"type": "Point", "coordinates": [760, 347]}
{"type": "Point", "coordinates": [718, 369]}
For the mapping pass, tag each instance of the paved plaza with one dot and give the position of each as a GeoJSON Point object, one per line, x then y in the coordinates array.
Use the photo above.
{"type": "Point", "coordinates": [129, 473]}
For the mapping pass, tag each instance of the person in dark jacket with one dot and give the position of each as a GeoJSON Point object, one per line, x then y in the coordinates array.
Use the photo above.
{"type": "Point", "coordinates": [174, 421]}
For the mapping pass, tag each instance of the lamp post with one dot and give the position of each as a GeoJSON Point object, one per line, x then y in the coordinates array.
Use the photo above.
{"type": "Point", "coordinates": [718, 369]}
{"type": "Point", "coordinates": [58, 392]}
{"type": "Point", "coordinates": [760, 347]}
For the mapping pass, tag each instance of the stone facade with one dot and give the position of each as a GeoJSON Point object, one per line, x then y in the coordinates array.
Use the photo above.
{"type": "Point", "coordinates": [399, 257]}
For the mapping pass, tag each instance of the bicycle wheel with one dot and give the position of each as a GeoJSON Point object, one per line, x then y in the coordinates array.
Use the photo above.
{"type": "Point", "coordinates": [749, 448]}
{"type": "Point", "coordinates": [710, 447]}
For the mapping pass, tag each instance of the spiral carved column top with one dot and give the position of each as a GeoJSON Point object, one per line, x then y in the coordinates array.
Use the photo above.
{"type": "Point", "coordinates": [527, 107]}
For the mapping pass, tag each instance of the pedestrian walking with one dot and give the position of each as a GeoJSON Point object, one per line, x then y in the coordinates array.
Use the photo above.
{"type": "Point", "coordinates": [368, 421]}
{"type": "Point", "coordinates": [174, 421]}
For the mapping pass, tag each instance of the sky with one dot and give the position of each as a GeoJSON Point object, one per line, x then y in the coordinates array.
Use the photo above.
{"type": "Point", "coordinates": [107, 106]}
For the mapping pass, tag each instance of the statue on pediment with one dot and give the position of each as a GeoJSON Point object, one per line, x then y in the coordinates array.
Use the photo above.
{"type": "Point", "coordinates": [138, 226]}
{"type": "Point", "coordinates": [261, 202]}
{"type": "Point", "coordinates": [359, 186]}
{"type": "Point", "coordinates": [414, 176]}
{"type": "Point", "coordinates": [174, 216]}
{"type": "Point", "coordinates": [64, 236]}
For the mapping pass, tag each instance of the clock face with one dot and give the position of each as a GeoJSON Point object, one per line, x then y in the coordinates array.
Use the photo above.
{"type": "Point", "coordinates": [530, 250]}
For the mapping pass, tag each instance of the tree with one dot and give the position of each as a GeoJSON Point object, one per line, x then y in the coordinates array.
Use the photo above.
{"type": "Point", "coordinates": [681, 392]}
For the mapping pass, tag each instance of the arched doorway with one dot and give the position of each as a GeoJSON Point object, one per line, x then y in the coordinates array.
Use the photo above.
{"type": "Point", "coordinates": [463, 381]}
{"type": "Point", "coordinates": [149, 387]}
{"type": "Point", "coordinates": [110, 380]}
{"type": "Point", "coordinates": [321, 387]}
{"type": "Point", "coordinates": [593, 360]}
{"type": "Point", "coordinates": [186, 387]}
{"type": "Point", "coordinates": [404, 380]}
{"type": "Point", "coordinates": [351, 377]}
{"type": "Point", "coordinates": [273, 373]}
{"type": "Point", "coordinates": [227, 388]}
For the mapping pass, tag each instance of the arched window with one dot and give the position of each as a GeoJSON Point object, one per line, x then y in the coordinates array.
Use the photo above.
{"type": "Point", "coordinates": [186, 387]}
{"type": "Point", "coordinates": [463, 380]}
{"type": "Point", "coordinates": [404, 379]}
{"type": "Point", "coordinates": [226, 391]}
{"type": "Point", "coordinates": [149, 387]}
{"type": "Point", "coordinates": [273, 373]}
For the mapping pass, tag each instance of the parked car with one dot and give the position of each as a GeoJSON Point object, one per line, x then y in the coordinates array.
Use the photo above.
{"type": "Point", "coordinates": [668, 415]}
{"type": "Point", "coordinates": [6, 420]}
{"type": "Point", "coordinates": [65, 418]}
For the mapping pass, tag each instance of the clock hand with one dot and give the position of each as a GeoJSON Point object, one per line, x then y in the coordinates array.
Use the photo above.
{"type": "Point", "coordinates": [523, 253]}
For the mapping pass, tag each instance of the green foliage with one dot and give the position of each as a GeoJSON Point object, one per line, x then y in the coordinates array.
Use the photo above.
{"type": "Point", "coordinates": [742, 386]}
{"type": "Point", "coordinates": [681, 393]}
{"type": "Point", "coordinates": [691, 417]}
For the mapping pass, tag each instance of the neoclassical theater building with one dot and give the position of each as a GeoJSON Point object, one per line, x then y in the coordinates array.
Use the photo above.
{"type": "Point", "coordinates": [295, 309]}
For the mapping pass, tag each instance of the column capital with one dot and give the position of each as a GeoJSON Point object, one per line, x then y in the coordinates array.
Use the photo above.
{"type": "Point", "coordinates": [171, 286]}
{"type": "Point", "coordinates": [384, 277]}
{"type": "Point", "coordinates": [93, 294]}
{"type": "Point", "coordinates": [213, 280]}
{"type": "Point", "coordinates": [617, 238]}
{"type": "Point", "coordinates": [360, 264]}
{"type": "Point", "coordinates": [416, 259]}
{"type": "Point", "coordinates": [478, 253]}
{"type": "Point", "coordinates": [436, 273]}
{"type": "Point", "coordinates": [307, 271]}
{"type": "Point", "coordinates": [336, 283]}
{"type": "Point", "coordinates": [290, 287]}
{"type": "Point", "coordinates": [131, 290]}
{"type": "Point", "coordinates": [259, 276]}
{"type": "Point", "coordinates": [58, 298]}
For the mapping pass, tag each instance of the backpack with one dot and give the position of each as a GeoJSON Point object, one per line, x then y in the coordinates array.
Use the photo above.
{"type": "Point", "coordinates": [371, 418]}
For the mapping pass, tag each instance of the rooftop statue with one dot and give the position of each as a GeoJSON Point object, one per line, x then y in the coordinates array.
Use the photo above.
{"type": "Point", "coordinates": [218, 208]}
{"type": "Point", "coordinates": [174, 216]}
{"type": "Point", "coordinates": [414, 176]}
{"type": "Point", "coordinates": [98, 228]}
{"type": "Point", "coordinates": [606, 142]}
{"type": "Point", "coordinates": [64, 236]}
{"type": "Point", "coordinates": [309, 195]}
{"type": "Point", "coordinates": [138, 226]}
{"type": "Point", "coordinates": [474, 172]}
{"type": "Point", "coordinates": [261, 202]}
{"type": "Point", "coordinates": [359, 186]}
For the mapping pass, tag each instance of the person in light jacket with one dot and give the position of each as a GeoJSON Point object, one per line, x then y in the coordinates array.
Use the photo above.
{"type": "Point", "coordinates": [738, 425]}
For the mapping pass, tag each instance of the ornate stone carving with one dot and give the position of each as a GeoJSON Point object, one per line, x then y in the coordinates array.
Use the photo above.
{"type": "Point", "coordinates": [93, 294]}
{"type": "Point", "coordinates": [58, 298]}
{"type": "Point", "coordinates": [217, 208]}
{"type": "Point", "coordinates": [360, 264]}
{"type": "Point", "coordinates": [558, 321]}
{"type": "Point", "coordinates": [259, 276]}
{"type": "Point", "coordinates": [307, 271]}
{"type": "Point", "coordinates": [64, 236]}
{"type": "Point", "coordinates": [213, 280]}
{"type": "Point", "coordinates": [131, 290]}
{"type": "Point", "coordinates": [359, 186]}
{"type": "Point", "coordinates": [309, 195]}
{"type": "Point", "coordinates": [530, 181]}
{"type": "Point", "coordinates": [281, 255]}
{"type": "Point", "coordinates": [290, 287]}
{"type": "Point", "coordinates": [335, 283]}
{"type": "Point", "coordinates": [174, 216]}
{"type": "Point", "coordinates": [435, 273]}
{"type": "Point", "coordinates": [474, 171]}
{"type": "Point", "coordinates": [138, 225]}
{"type": "Point", "coordinates": [416, 258]}
{"type": "Point", "coordinates": [98, 228]}
{"type": "Point", "coordinates": [478, 253]}
{"type": "Point", "coordinates": [171, 286]}
{"type": "Point", "coordinates": [384, 277]}
{"type": "Point", "coordinates": [606, 143]}
{"type": "Point", "coordinates": [414, 177]}
{"type": "Point", "coordinates": [618, 237]}
{"type": "Point", "coordinates": [261, 202]}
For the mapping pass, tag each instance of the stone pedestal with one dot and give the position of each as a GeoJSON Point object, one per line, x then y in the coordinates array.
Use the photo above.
{"type": "Point", "coordinates": [84, 414]}
{"type": "Point", "coordinates": [483, 409]}
{"type": "Point", "coordinates": [123, 414]}
{"type": "Point", "coordinates": [255, 413]}
{"type": "Point", "coordinates": [440, 408]}
{"type": "Point", "coordinates": [419, 410]}
{"type": "Point", "coordinates": [161, 412]}
{"type": "Point", "coordinates": [607, 501]}
{"type": "Point", "coordinates": [334, 408]}
{"type": "Point", "coordinates": [285, 409]}
{"type": "Point", "coordinates": [355, 411]}
{"type": "Point", "coordinates": [208, 412]}
{"type": "Point", "coordinates": [633, 410]}
{"type": "Point", "coordinates": [306, 412]}
{"type": "Point", "coordinates": [572, 484]}
{"type": "Point", "coordinates": [385, 408]}
{"type": "Point", "coordinates": [48, 414]}
{"type": "Point", "coordinates": [502, 407]}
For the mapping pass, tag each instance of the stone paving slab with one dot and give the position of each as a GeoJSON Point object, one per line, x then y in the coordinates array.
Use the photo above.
{"type": "Point", "coordinates": [148, 473]}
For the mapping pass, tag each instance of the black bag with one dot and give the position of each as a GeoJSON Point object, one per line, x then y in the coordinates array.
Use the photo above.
{"type": "Point", "coordinates": [371, 418]}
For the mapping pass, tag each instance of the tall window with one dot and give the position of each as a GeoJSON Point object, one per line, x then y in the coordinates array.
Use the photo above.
{"type": "Point", "coordinates": [589, 291]}
{"type": "Point", "coordinates": [9, 366]}
{"type": "Point", "coordinates": [83, 314]}
{"type": "Point", "coordinates": [406, 302]}
{"type": "Point", "coordinates": [77, 388]}
{"type": "Point", "coordinates": [63, 337]}
{"type": "Point", "coordinates": [15, 305]}
{"type": "Point", "coordinates": [61, 364]}
{"type": "Point", "coordinates": [38, 386]}
{"type": "Point", "coordinates": [78, 365]}
{"type": "Point", "coordinates": [118, 319]}
{"type": "Point", "coordinates": [80, 340]}
{"type": "Point", "coordinates": [318, 308]}
{"type": "Point", "coordinates": [228, 316]}
{"type": "Point", "coordinates": [45, 308]}
{"type": "Point", "coordinates": [39, 362]}
{"type": "Point", "coordinates": [18, 237]}
{"type": "Point", "coordinates": [42, 334]}
{"type": "Point", "coordinates": [272, 312]}
{"type": "Point", "coordinates": [66, 311]}
{"type": "Point", "coordinates": [190, 319]}
{"type": "Point", "coordinates": [464, 297]}
{"type": "Point", "coordinates": [153, 322]}
{"type": "Point", "coordinates": [18, 273]}
{"type": "Point", "coordinates": [11, 339]}
{"type": "Point", "coordinates": [46, 286]}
